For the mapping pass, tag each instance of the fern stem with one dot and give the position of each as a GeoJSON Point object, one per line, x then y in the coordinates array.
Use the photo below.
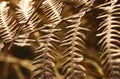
{"type": "Point", "coordinates": [73, 46]}
{"type": "Point", "coordinates": [46, 46]}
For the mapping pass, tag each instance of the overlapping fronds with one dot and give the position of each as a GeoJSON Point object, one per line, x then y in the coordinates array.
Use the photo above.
{"type": "Point", "coordinates": [72, 56]}
{"type": "Point", "coordinates": [110, 40]}
{"type": "Point", "coordinates": [7, 26]}
{"type": "Point", "coordinates": [52, 9]}
{"type": "Point", "coordinates": [45, 61]}
{"type": "Point", "coordinates": [50, 62]}
{"type": "Point", "coordinates": [25, 12]}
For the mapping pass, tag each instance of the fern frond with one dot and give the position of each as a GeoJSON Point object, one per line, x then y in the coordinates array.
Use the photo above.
{"type": "Point", "coordinates": [25, 11]}
{"type": "Point", "coordinates": [110, 40]}
{"type": "Point", "coordinates": [52, 9]}
{"type": "Point", "coordinates": [45, 61]}
{"type": "Point", "coordinates": [72, 56]}
{"type": "Point", "coordinates": [7, 26]}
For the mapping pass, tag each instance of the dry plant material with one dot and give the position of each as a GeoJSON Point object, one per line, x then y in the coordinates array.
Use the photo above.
{"type": "Point", "coordinates": [66, 31]}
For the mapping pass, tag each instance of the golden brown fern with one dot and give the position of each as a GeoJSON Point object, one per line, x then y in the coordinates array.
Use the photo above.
{"type": "Point", "coordinates": [7, 26]}
{"type": "Point", "coordinates": [25, 12]}
{"type": "Point", "coordinates": [74, 39]}
{"type": "Point", "coordinates": [45, 61]}
{"type": "Point", "coordinates": [52, 9]}
{"type": "Point", "coordinates": [110, 40]}
{"type": "Point", "coordinates": [72, 57]}
{"type": "Point", "coordinates": [46, 52]}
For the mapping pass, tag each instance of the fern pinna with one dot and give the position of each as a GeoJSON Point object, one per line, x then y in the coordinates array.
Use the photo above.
{"type": "Point", "coordinates": [45, 61]}
{"type": "Point", "coordinates": [7, 26]}
{"type": "Point", "coordinates": [110, 39]}
{"type": "Point", "coordinates": [25, 10]}
{"type": "Point", "coordinates": [52, 9]}
{"type": "Point", "coordinates": [73, 54]}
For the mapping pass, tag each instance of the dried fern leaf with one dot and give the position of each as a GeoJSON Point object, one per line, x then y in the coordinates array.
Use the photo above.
{"type": "Point", "coordinates": [72, 56]}
{"type": "Point", "coordinates": [25, 11]}
{"type": "Point", "coordinates": [7, 25]}
{"type": "Point", "coordinates": [52, 9]}
{"type": "Point", "coordinates": [45, 61]}
{"type": "Point", "coordinates": [110, 42]}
